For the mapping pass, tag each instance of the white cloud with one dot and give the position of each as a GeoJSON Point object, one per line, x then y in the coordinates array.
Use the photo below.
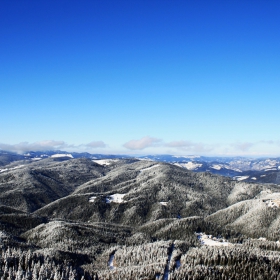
{"type": "Point", "coordinates": [190, 146]}
{"type": "Point", "coordinates": [243, 146]}
{"type": "Point", "coordinates": [179, 144]}
{"type": "Point", "coordinates": [142, 143]}
{"type": "Point", "coordinates": [49, 145]}
{"type": "Point", "coordinates": [258, 148]}
{"type": "Point", "coordinates": [270, 142]}
{"type": "Point", "coordinates": [96, 144]}
{"type": "Point", "coordinates": [36, 146]}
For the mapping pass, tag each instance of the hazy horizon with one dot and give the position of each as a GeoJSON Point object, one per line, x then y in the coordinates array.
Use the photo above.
{"type": "Point", "coordinates": [143, 154]}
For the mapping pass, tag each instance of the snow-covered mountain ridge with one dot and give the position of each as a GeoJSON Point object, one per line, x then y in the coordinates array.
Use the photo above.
{"type": "Point", "coordinates": [84, 218]}
{"type": "Point", "coordinates": [263, 170]}
{"type": "Point", "coordinates": [238, 164]}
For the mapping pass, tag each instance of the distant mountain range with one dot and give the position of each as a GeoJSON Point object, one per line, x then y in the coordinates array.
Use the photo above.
{"type": "Point", "coordinates": [263, 170]}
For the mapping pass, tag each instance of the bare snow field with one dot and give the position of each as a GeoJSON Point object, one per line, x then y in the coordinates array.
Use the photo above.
{"type": "Point", "coordinates": [216, 166]}
{"type": "Point", "coordinates": [209, 240]}
{"type": "Point", "coordinates": [116, 198]}
{"type": "Point", "coordinates": [149, 168]}
{"type": "Point", "coordinates": [189, 165]}
{"type": "Point", "coordinates": [163, 203]}
{"type": "Point", "coordinates": [92, 199]}
{"type": "Point", "coordinates": [61, 156]}
{"type": "Point", "coordinates": [105, 161]}
{"type": "Point", "coordinates": [12, 168]}
{"type": "Point", "coordinates": [240, 178]}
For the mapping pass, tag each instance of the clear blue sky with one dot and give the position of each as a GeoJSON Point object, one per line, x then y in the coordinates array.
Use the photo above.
{"type": "Point", "coordinates": [141, 76]}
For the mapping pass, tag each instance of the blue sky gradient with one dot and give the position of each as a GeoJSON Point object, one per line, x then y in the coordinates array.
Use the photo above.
{"type": "Point", "coordinates": [139, 77]}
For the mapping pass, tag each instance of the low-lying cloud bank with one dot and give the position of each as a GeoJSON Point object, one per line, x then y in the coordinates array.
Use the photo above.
{"type": "Point", "coordinates": [142, 143]}
{"type": "Point", "coordinates": [153, 145]}
{"type": "Point", "coordinates": [156, 143]}
{"type": "Point", "coordinates": [49, 145]}
{"type": "Point", "coordinates": [36, 146]}
{"type": "Point", "coordinates": [190, 146]}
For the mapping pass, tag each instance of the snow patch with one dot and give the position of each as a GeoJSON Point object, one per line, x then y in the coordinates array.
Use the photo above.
{"type": "Point", "coordinates": [189, 165]}
{"type": "Point", "coordinates": [92, 199]}
{"type": "Point", "coordinates": [3, 234]}
{"type": "Point", "coordinates": [216, 166]}
{"type": "Point", "coordinates": [163, 203]}
{"type": "Point", "coordinates": [209, 240]}
{"type": "Point", "coordinates": [262, 238]}
{"type": "Point", "coordinates": [105, 161]}
{"type": "Point", "coordinates": [116, 198]}
{"type": "Point", "coordinates": [145, 158]}
{"type": "Point", "coordinates": [240, 178]}
{"type": "Point", "coordinates": [12, 168]}
{"type": "Point", "coordinates": [148, 168]}
{"type": "Point", "coordinates": [273, 203]}
{"type": "Point", "coordinates": [232, 168]}
{"type": "Point", "coordinates": [270, 169]}
{"type": "Point", "coordinates": [188, 157]}
{"type": "Point", "coordinates": [61, 155]}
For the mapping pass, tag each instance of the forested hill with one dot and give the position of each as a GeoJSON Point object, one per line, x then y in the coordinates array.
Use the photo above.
{"type": "Point", "coordinates": [80, 218]}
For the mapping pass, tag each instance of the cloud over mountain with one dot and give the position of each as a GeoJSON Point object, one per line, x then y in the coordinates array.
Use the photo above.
{"type": "Point", "coordinates": [189, 146]}
{"type": "Point", "coordinates": [36, 146]}
{"type": "Point", "coordinates": [96, 144]}
{"type": "Point", "coordinates": [243, 146]}
{"type": "Point", "coordinates": [142, 143]}
{"type": "Point", "coordinates": [49, 145]}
